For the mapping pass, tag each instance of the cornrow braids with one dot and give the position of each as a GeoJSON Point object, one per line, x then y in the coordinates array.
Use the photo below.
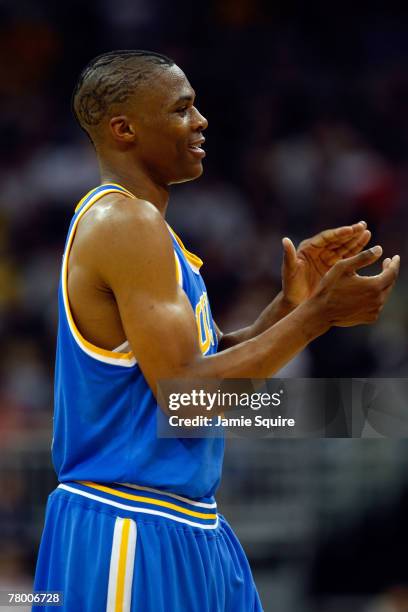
{"type": "Point", "coordinates": [110, 79]}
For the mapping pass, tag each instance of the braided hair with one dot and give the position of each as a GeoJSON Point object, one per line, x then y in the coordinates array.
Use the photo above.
{"type": "Point", "coordinates": [110, 79]}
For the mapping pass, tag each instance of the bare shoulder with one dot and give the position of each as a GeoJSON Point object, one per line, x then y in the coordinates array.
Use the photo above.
{"type": "Point", "coordinates": [118, 230]}
{"type": "Point", "coordinates": [117, 216]}
{"type": "Point", "coordinates": [118, 223]}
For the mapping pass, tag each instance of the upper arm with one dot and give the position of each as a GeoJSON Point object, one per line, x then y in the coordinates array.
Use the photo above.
{"type": "Point", "coordinates": [137, 263]}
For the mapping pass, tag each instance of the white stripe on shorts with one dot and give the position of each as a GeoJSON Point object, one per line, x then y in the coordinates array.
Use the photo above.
{"type": "Point", "coordinates": [121, 566]}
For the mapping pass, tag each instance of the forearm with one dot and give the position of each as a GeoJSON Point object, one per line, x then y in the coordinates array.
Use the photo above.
{"type": "Point", "coordinates": [255, 358]}
{"type": "Point", "coordinates": [274, 312]}
{"type": "Point", "coordinates": [267, 352]}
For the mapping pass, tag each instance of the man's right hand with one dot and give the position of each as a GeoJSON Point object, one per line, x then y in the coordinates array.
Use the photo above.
{"type": "Point", "coordinates": [344, 298]}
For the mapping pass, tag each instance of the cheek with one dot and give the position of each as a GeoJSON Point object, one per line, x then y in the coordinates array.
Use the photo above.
{"type": "Point", "coordinates": [166, 139]}
{"type": "Point", "coordinates": [160, 145]}
{"type": "Point", "coordinates": [177, 134]}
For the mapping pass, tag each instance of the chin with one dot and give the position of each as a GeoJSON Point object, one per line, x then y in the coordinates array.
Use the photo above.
{"type": "Point", "coordinates": [191, 175]}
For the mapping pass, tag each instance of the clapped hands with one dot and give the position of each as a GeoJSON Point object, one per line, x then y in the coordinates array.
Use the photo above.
{"type": "Point", "coordinates": [324, 270]}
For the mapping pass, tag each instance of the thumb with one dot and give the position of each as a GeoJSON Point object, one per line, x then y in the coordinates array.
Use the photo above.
{"type": "Point", "coordinates": [289, 255]}
{"type": "Point", "coordinates": [361, 260]}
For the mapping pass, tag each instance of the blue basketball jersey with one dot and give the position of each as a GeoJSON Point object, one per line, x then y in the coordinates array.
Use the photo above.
{"type": "Point", "coordinates": [105, 420]}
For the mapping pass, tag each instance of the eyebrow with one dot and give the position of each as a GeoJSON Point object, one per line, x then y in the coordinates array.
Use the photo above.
{"type": "Point", "coordinates": [186, 98]}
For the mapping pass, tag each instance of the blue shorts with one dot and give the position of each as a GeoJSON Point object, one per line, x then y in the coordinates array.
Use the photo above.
{"type": "Point", "coordinates": [112, 548]}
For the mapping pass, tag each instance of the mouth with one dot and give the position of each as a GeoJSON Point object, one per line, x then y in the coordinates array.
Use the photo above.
{"type": "Point", "coordinates": [196, 149]}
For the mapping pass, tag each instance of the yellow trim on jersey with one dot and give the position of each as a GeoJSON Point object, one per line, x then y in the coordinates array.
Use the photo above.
{"type": "Point", "coordinates": [120, 584]}
{"type": "Point", "coordinates": [148, 500]}
{"type": "Point", "coordinates": [193, 259]}
{"type": "Point", "coordinates": [123, 190]}
{"type": "Point", "coordinates": [79, 337]}
{"type": "Point", "coordinates": [178, 270]}
{"type": "Point", "coordinates": [200, 315]}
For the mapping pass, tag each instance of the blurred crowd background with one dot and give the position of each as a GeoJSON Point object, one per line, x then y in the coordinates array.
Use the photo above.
{"type": "Point", "coordinates": [308, 128]}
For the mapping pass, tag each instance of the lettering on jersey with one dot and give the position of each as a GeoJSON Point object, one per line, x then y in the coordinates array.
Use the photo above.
{"type": "Point", "coordinates": [203, 320]}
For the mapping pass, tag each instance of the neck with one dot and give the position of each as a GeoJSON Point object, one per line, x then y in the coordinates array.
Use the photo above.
{"type": "Point", "coordinates": [137, 182]}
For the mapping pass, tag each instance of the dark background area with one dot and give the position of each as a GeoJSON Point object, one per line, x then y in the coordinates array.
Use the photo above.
{"type": "Point", "coordinates": [308, 129]}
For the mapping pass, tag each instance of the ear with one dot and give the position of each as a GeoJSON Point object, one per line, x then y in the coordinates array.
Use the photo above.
{"type": "Point", "coordinates": [122, 129]}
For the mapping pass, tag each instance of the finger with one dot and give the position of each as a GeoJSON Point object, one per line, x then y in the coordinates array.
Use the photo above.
{"type": "Point", "coordinates": [289, 255]}
{"type": "Point", "coordinates": [360, 224]}
{"type": "Point", "coordinates": [389, 275]}
{"type": "Point", "coordinates": [359, 227]}
{"type": "Point", "coordinates": [394, 265]}
{"type": "Point", "coordinates": [337, 236]}
{"type": "Point", "coordinates": [354, 245]}
{"type": "Point", "coordinates": [387, 289]}
{"type": "Point", "coordinates": [361, 260]}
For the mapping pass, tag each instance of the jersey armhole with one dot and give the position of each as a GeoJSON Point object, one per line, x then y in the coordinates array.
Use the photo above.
{"type": "Point", "coordinates": [114, 357]}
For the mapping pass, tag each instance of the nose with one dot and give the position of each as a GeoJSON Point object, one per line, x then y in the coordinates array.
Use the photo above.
{"type": "Point", "coordinates": [200, 121]}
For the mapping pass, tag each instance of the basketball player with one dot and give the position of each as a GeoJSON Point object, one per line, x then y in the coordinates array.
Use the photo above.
{"type": "Point", "coordinates": [133, 525]}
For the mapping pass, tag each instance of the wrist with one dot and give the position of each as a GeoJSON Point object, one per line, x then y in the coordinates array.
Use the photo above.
{"type": "Point", "coordinates": [286, 303]}
{"type": "Point", "coordinates": [313, 320]}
